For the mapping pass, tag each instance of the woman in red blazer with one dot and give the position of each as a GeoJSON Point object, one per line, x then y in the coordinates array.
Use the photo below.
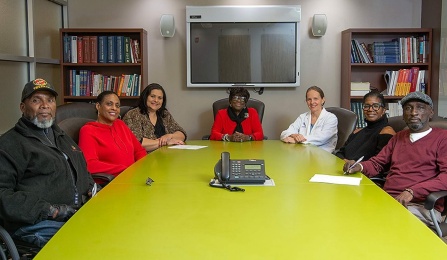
{"type": "Point", "coordinates": [237, 123]}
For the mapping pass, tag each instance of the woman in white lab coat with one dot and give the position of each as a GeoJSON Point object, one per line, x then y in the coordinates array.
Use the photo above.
{"type": "Point", "coordinates": [317, 127]}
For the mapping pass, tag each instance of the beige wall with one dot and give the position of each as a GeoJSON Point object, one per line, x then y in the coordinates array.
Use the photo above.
{"type": "Point", "coordinates": [320, 57]}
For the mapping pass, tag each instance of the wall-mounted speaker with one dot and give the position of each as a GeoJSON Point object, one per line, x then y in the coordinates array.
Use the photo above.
{"type": "Point", "coordinates": [167, 25]}
{"type": "Point", "coordinates": [319, 25]}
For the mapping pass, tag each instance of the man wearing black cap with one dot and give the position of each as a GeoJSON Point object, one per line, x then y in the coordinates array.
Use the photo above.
{"type": "Point", "coordinates": [417, 159]}
{"type": "Point", "coordinates": [43, 174]}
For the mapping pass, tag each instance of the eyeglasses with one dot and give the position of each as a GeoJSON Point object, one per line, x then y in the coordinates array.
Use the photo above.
{"type": "Point", "coordinates": [375, 106]}
{"type": "Point", "coordinates": [238, 98]}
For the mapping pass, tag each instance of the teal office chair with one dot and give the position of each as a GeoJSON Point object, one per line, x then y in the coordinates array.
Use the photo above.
{"type": "Point", "coordinates": [223, 103]}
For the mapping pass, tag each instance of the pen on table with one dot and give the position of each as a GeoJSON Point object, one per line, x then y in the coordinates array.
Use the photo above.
{"type": "Point", "coordinates": [354, 164]}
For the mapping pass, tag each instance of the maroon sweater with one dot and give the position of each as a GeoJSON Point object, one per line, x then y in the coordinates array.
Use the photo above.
{"type": "Point", "coordinates": [420, 166]}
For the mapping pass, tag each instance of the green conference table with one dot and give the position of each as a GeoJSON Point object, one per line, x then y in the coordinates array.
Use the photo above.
{"type": "Point", "coordinates": [181, 217]}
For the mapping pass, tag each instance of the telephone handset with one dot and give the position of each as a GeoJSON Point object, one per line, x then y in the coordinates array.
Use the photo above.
{"type": "Point", "coordinates": [239, 171]}
{"type": "Point", "coordinates": [222, 168]}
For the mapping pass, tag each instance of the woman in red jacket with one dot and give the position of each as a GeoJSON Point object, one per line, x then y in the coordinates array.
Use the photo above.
{"type": "Point", "coordinates": [108, 144]}
{"type": "Point", "coordinates": [237, 123]}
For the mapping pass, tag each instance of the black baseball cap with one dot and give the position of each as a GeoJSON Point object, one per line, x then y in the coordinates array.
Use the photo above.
{"type": "Point", "coordinates": [35, 85]}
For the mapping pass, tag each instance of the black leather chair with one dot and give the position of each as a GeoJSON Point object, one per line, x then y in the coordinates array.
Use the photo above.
{"type": "Point", "coordinates": [82, 109]}
{"type": "Point", "coordinates": [76, 109]}
{"type": "Point", "coordinates": [347, 121]}
{"type": "Point", "coordinates": [124, 110]}
{"type": "Point", "coordinates": [15, 249]}
{"type": "Point", "coordinates": [253, 103]}
{"type": "Point", "coordinates": [432, 198]}
{"type": "Point", "coordinates": [72, 126]}
{"type": "Point", "coordinates": [224, 102]}
{"type": "Point", "coordinates": [397, 123]}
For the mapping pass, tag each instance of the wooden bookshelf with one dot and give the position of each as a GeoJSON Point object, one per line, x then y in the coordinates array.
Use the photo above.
{"type": "Point", "coordinates": [108, 68]}
{"type": "Point", "coordinates": [374, 72]}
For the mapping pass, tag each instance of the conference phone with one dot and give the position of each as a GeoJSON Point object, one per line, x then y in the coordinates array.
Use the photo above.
{"type": "Point", "coordinates": [251, 171]}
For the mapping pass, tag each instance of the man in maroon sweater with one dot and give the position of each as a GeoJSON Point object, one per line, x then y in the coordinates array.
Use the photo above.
{"type": "Point", "coordinates": [416, 157]}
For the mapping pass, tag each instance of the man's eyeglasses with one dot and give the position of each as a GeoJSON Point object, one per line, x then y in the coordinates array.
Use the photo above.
{"type": "Point", "coordinates": [238, 98]}
{"type": "Point", "coordinates": [375, 106]}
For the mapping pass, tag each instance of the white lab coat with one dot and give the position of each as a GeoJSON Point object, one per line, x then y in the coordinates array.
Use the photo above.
{"type": "Point", "coordinates": [323, 133]}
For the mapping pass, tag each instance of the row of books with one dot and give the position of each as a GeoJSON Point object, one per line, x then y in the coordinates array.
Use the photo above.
{"type": "Point", "coordinates": [357, 107]}
{"type": "Point", "coordinates": [403, 81]}
{"type": "Point", "coordinates": [394, 109]}
{"type": "Point", "coordinates": [101, 49]}
{"type": "Point", "coordinates": [89, 83]}
{"type": "Point", "coordinates": [400, 50]}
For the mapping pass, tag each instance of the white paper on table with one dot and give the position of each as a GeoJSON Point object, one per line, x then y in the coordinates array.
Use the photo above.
{"type": "Point", "coordinates": [348, 180]}
{"type": "Point", "coordinates": [187, 147]}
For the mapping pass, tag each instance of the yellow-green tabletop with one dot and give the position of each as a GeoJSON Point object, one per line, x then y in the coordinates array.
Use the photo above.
{"type": "Point", "coordinates": [181, 217]}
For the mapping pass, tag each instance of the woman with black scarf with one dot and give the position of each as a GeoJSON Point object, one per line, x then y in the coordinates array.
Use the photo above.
{"type": "Point", "coordinates": [237, 123]}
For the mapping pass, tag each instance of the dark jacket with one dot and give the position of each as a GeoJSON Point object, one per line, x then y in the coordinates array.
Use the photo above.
{"type": "Point", "coordinates": [35, 174]}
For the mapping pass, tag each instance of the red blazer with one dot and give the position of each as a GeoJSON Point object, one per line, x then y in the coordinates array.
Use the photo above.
{"type": "Point", "coordinates": [224, 125]}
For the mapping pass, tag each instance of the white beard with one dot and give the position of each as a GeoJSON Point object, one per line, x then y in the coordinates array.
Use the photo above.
{"type": "Point", "coordinates": [44, 124]}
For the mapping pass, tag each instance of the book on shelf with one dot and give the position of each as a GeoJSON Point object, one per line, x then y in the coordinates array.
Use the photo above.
{"type": "Point", "coordinates": [360, 85]}
{"type": "Point", "coordinates": [80, 49]}
{"type": "Point", "coordinates": [74, 49]}
{"type": "Point", "coordinates": [93, 49]}
{"type": "Point", "coordinates": [365, 49]}
{"type": "Point", "coordinates": [390, 58]}
{"type": "Point", "coordinates": [359, 54]}
{"type": "Point", "coordinates": [102, 49]}
{"type": "Point", "coordinates": [111, 49]}
{"type": "Point", "coordinates": [86, 49]}
{"type": "Point", "coordinates": [359, 92]}
{"type": "Point", "coordinates": [394, 109]}
{"type": "Point", "coordinates": [67, 48]}
{"type": "Point", "coordinates": [120, 49]}
{"type": "Point", "coordinates": [120, 86]}
{"type": "Point", "coordinates": [136, 49]}
{"type": "Point", "coordinates": [413, 78]}
{"type": "Point", "coordinates": [403, 81]}
{"type": "Point", "coordinates": [409, 49]}
{"type": "Point", "coordinates": [357, 108]}
{"type": "Point", "coordinates": [127, 58]}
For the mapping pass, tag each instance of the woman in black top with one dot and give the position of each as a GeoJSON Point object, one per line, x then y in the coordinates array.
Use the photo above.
{"type": "Point", "coordinates": [370, 140]}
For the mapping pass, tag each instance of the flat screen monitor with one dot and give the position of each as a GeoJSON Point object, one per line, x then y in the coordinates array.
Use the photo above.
{"type": "Point", "coordinates": [243, 46]}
